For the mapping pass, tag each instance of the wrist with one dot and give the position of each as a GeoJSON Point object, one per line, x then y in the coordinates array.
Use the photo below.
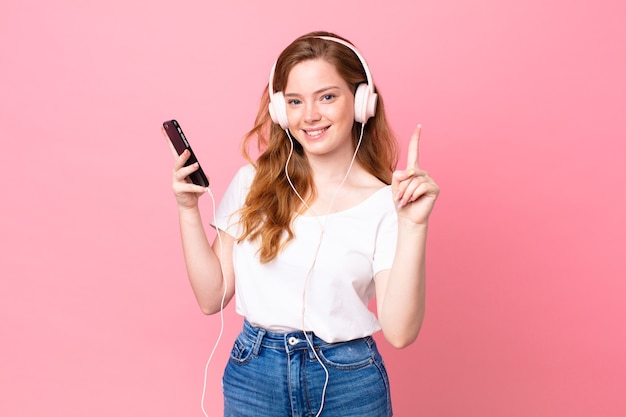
{"type": "Point", "coordinates": [188, 211]}
{"type": "Point", "coordinates": [409, 225]}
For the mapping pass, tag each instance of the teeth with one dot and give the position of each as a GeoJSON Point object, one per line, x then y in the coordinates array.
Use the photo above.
{"type": "Point", "coordinates": [315, 132]}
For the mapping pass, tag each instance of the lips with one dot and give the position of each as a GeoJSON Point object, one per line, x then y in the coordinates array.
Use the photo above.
{"type": "Point", "coordinates": [316, 132]}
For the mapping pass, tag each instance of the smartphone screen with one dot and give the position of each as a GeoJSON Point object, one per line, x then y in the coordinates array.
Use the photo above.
{"type": "Point", "coordinates": [178, 139]}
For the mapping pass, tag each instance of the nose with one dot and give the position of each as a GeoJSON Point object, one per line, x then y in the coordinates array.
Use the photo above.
{"type": "Point", "coordinates": [311, 113]}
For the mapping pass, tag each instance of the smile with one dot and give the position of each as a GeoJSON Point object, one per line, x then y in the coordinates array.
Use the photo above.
{"type": "Point", "coordinates": [315, 133]}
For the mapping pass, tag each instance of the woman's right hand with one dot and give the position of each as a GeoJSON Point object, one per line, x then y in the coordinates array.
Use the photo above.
{"type": "Point", "coordinates": [186, 192]}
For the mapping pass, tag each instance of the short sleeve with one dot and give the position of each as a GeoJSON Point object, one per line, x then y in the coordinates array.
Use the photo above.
{"type": "Point", "coordinates": [386, 239]}
{"type": "Point", "coordinates": [227, 217]}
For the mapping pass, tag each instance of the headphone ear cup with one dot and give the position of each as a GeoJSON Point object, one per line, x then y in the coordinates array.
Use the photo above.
{"type": "Point", "coordinates": [278, 110]}
{"type": "Point", "coordinates": [364, 103]}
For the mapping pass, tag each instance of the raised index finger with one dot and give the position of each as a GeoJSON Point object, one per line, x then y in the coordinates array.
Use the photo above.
{"type": "Point", "coordinates": [413, 152]}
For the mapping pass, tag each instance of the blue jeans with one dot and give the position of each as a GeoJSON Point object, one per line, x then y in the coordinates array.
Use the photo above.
{"type": "Point", "coordinates": [277, 375]}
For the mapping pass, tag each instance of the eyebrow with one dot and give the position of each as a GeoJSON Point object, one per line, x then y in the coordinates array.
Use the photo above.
{"type": "Point", "coordinates": [321, 90]}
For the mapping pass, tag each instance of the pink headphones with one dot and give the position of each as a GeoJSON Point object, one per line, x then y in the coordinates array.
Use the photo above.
{"type": "Point", "coordinates": [364, 98]}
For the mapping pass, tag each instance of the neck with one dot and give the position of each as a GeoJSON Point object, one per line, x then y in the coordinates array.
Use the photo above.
{"type": "Point", "coordinates": [331, 171]}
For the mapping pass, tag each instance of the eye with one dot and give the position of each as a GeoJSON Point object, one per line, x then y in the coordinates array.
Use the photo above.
{"type": "Point", "coordinates": [293, 102]}
{"type": "Point", "coordinates": [328, 97]}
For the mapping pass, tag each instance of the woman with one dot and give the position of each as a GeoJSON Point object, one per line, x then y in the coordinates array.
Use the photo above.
{"type": "Point", "coordinates": [308, 235]}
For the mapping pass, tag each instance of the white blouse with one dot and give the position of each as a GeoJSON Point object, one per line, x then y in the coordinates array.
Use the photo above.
{"type": "Point", "coordinates": [357, 243]}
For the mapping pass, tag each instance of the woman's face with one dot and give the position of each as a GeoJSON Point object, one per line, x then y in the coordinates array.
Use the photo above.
{"type": "Point", "coordinates": [320, 108]}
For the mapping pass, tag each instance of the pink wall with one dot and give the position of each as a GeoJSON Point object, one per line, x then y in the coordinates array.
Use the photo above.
{"type": "Point", "coordinates": [523, 107]}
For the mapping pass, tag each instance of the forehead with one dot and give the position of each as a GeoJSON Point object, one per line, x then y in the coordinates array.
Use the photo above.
{"type": "Point", "coordinates": [312, 75]}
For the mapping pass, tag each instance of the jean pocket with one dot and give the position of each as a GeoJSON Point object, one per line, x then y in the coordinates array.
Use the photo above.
{"type": "Point", "coordinates": [354, 354]}
{"type": "Point", "coordinates": [242, 350]}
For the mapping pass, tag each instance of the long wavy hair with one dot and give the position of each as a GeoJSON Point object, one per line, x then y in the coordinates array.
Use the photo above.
{"type": "Point", "coordinates": [271, 204]}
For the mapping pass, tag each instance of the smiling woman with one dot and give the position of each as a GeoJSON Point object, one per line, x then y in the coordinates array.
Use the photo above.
{"type": "Point", "coordinates": [321, 119]}
{"type": "Point", "coordinates": [523, 112]}
{"type": "Point", "coordinates": [308, 234]}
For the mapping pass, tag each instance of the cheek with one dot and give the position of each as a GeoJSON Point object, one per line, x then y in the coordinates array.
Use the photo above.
{"type": "Point", "coordinates": [293, 114]}
{"type": "Point", "coordinates": [344, 114]}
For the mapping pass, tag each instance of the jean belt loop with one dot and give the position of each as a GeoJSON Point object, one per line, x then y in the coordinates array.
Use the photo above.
{"type": "Point", "coordinates": [257, 343]}
{"type": "Point", "coordinates": [311, 346]}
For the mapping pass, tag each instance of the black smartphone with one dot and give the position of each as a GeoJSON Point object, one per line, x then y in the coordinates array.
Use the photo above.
{"type": "Point", "coordinates": [178, 139]}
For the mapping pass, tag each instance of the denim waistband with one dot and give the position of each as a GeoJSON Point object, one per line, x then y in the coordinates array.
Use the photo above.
{"type": "Point", "coordinates": [283, 341]}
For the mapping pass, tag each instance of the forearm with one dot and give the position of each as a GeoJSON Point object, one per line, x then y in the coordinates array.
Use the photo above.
{"type": "Point", "coordinates": [203, 266]}
{"type": "Point", "coordinates": [402, 310]}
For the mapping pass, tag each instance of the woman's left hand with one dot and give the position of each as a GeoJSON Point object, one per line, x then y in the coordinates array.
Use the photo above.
{"type": "Point", "coordinates": [413, 189]}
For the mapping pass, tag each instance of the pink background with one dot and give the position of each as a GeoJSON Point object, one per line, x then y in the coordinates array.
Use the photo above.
{"type": "Point", "coordinates": [523, 107]}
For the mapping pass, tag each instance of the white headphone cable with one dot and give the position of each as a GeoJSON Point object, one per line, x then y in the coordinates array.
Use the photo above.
{"type": "Point", "coordinates": [322, 224]}
{"type": "Point", "coordinates": [319, 244]}
{"type": "Point", "coordinates": [219, 337]}
{"type": "Point", "coordinates": [330, 206]}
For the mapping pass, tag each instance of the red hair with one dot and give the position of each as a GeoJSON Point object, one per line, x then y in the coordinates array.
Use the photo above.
{"type": "Point", "coordinates": [271, 203]}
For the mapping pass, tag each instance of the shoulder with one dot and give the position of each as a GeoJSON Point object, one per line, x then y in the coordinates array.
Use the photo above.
{"type": "Point", "coordinates": [246, 171]}
{"type": "Point", "coordinates": [375, 207]}
{"type": "Point", "coordinates": [243, 177]}
{"type": "Point", "coordinates": [376, 194]}
{"type": "Point", "coordinates": [239, 186]}
{"type": "Point", "coordinates": [382, 200]}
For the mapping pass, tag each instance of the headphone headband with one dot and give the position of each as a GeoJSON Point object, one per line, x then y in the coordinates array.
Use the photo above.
{"type": "Point", "coordinates": [364, 98]}
{"type": "Point", "coordinates": [366, 68]}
